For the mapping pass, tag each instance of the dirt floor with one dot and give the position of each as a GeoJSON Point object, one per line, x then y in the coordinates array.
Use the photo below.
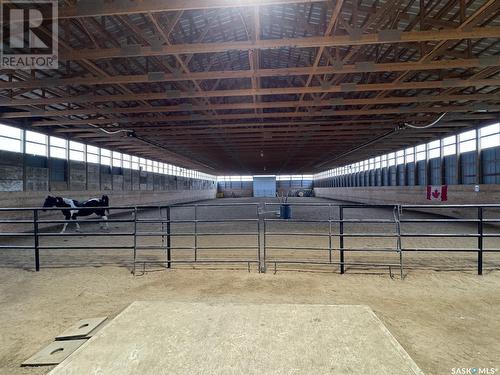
{"type": "Point", "coordinates": [442, 313]}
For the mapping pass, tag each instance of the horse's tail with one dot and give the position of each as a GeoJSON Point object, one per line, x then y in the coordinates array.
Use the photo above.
{"type": "Point", "coordinates": [105, 201]}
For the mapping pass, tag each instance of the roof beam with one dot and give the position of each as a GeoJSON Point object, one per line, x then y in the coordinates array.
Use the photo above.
{"type": "Point", "coordinates": [88, 8]}
{"type": "Point", "coordinates": [272, 127]}
{"type": "Point", "coordinates": [342, 88]}
{"type": "Point", "coordinates": [251, 106]}
{"type": "Point", "coordinates": [486, 7]}
{"type": "Point", "coordinates": [234, 74]}
{"type": "Point", "coordinates": [383, 37]}
{"type": "Point", "coordinates": [319, 54]}
{"type": "Point", "coordinates": [283, 133]}
{"type": "Point", "coordinates": [353, 112]}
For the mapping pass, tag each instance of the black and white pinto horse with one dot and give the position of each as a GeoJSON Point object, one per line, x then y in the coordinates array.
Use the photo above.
{"type": "Point", "coordinates": [73, 208]}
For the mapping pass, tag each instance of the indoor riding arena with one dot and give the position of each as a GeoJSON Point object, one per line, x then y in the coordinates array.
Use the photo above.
{"type": "Point", "coordinates": [250, 187]}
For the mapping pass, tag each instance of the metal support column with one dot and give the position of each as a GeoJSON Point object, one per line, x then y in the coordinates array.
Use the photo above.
{"type": "Point", "coordinates": [169, 250]}
{"type": "Point", "coordinates": [36, 238]}
{"type": "Point", "coordinates": [480, 241]}
{"type": "Point", "coordinates": [195, 233]}
{"type": "Point", "coordinates": [330, 233]}
{"type": "Point", "coordinates": [397, 217]}
{"type": "Point", "coordinates": [258, 240]}
{"type": "Point", "coordinates": [341, 238]}
{"type": "Point", "coordinates": [479, 159]}
{"type": "Point", "coordinates": [160, 216]}
{"type": "Point", "coordinates": [263, 268]}
{"type": "Point", "coordinates": [162, 219]}
{"type": "Point", "coordinates": [135, 238]}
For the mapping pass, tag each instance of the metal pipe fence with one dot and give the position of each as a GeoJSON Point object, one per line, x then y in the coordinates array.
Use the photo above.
{"type": "Point", "coordinates": [333, 225]}
{"type": "Point", "coordinates": [400, 235]}
{"type": "Point", "coordinates": [341, 235]}
{"type": "Point", "coordinates": [165, 221]}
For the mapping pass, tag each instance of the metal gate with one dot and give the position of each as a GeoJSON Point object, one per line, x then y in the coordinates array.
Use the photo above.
{"type": "Point", "coordinates": [326, 241]}
{"type": "Point", "coordinates": [339, 229]}
{"type": "Point", "coordinates": [185, 229]}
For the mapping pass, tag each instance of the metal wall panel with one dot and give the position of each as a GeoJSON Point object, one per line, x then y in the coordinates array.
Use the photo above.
{"type": "Point", "coordinates": [450, 170]}
{"type": "Point", "coordinates": [468, 165]}
{"type": "Point", "coordinates": [491, 166]}
{"type": "Point", "coordinates": [435, 171]}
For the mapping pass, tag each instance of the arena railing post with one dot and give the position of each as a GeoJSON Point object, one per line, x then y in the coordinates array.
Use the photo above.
{"type": "Point", "coordinates": [135, 238]}
{"type": "Point", "coordinates": [341, 238]}
{"type": "Point", "coordinates": [169, 251]}
{"type": "Point", "coordinates": [195, 232]}
{"type": "Point", "coordinates": [330, 233]}
{"type": "Point", "coordinates": [160, 213]}
{"type": "Point", "coordinates": [36, 240]}
{"type": "Point", "coordinates": [480, 241]}
{"type": "Point", "coordinates": [397, 218]}
{"type": "Point", "coordinates": [264, 260]}
{"type": "Point", "coordinates": [258, 239]}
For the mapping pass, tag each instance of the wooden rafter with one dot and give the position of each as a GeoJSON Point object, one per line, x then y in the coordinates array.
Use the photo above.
{"type": "Point", "coordinates": [212, 83]}
{"type": "Point", "coordinates": [338, 41]}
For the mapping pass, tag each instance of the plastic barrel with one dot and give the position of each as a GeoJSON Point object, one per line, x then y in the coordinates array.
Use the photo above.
{"type": "Point", "coordinates": [285, 211]}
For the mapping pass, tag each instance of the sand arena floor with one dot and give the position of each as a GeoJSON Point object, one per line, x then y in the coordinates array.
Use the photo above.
{"type": "Point", "coordinates": [442, 313]}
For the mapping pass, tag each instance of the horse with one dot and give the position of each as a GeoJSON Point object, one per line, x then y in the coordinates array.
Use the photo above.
{"type": "Point", "coordinates": [76, 208]}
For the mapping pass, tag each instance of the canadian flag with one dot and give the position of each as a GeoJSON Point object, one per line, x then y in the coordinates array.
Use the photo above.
{"type": "Point", "coordinates": [437, 193]}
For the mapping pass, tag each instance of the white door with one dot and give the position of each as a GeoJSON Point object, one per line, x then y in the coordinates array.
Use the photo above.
{"type": "Point", "coordinates": [264, 186]}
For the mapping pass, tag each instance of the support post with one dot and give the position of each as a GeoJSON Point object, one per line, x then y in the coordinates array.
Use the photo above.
{"type": "Point", "coordinates": [169, 253]}
{"type": "Point", "coordinates": [258, 238]}
{"type": "Point", "coordinates": [341, 238]}
{"type": "Point", "coordinates": [458, 166]}
{"type": "Point", "coordinates": [330, 233]}
{"type": "Point", "coordinates": [480, 241]}
{"type": "Point", "coordinates": [195, 233]}
{"type": "Point", "coordinates": [135, 239]}
{"type": "Point", "coordinates": [427, 169]}
{"type": "Point", "coordinates": [398, 211]}
{"type": "Point", "coordinates": [479, 159]}
{"type": "Point", "coordinates": [160, 212]}
{"type": "Point", "coordinates": [36, 238]}
{"type": "Point", "coordinates": [263, 268]}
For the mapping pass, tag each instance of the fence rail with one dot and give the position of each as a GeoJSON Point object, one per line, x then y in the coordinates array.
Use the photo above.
{"type": "Point", "coordinates": [163, 218]}
{"type": "Point", "coordinates": [399, 234]}
{"type": "Point", "coordinates": [335, 220]}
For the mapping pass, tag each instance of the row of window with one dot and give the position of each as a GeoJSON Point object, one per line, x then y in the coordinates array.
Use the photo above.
{"type": "Point", "coordinates": [487, 137]}
{"type": "Point", "coordinates": [283, 184]}
{"type": "Point", "coordinates": [451, 171]}
{"type": "Point", "coordinates": [11, 139]}
{"type": "Point", "coordinates": [282, 177]}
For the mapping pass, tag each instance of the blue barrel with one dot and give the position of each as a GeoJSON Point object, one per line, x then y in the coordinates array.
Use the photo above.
{"type": "Point", "coordinates": [285, 211]}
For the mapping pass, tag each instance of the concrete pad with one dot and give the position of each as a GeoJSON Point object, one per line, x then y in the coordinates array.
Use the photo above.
{"type": "Point", "coordinates": [82, 328]}
{"type": "Point", "coordinates": [196, 338]}
{"type": "Point", "coordinates": [54, 353]}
